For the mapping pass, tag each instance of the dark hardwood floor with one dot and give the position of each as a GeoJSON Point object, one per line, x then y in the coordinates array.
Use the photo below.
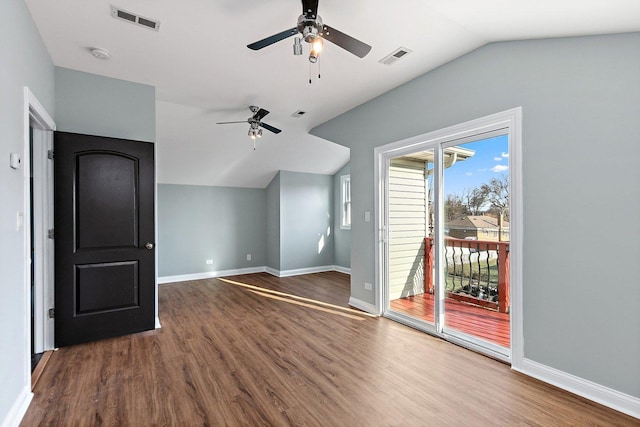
{"type": "Point", "coordinates": [229, 355]}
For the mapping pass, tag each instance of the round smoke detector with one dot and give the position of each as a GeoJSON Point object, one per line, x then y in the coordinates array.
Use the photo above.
{"type": "Point", "coordinates": [100, 53]}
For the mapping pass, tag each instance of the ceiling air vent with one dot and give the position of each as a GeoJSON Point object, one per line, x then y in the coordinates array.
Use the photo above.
{"type": "Point", "coordinates": [395, 55]}
{"type": "Point", "coordinates": [298, 114]}
{"type": "Point", "coordinates": [134, 19]}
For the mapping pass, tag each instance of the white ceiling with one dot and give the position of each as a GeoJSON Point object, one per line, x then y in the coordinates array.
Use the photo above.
{"type": "Point", "coordinates": [204, 73]}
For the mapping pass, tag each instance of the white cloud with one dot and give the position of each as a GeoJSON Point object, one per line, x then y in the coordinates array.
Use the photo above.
{"type": "Point", "coordinates": [505, 154]}
{"type": "Point", "coordinates": [483, 170]}
{"type": "Point", "coordinates": [499, 168]}
{"type": "Point", "coordinates": [468, 173]}
{"type": "Point", "coordinates": [497, 159]}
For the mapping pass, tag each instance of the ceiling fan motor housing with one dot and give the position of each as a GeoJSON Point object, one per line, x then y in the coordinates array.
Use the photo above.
{"type": "Point", "coordinates": [309, 28]}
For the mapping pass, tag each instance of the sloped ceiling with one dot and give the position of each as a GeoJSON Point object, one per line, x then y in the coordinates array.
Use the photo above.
{"type": "Point", "coordinates": [204, 73]}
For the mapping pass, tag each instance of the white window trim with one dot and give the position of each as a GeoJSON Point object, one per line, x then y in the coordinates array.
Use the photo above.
{"type": "Point", "coordinates": [345, 223]}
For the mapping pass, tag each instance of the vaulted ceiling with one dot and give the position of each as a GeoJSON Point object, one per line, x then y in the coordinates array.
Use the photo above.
{"type": "Point", "coordinates": [204, 73]}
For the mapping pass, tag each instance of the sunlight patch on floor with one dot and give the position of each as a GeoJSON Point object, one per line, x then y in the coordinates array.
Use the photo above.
{"type": "Point", "coordinates": [294, 299]}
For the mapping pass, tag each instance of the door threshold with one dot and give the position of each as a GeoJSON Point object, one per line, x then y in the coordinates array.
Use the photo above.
{"type": "Point", "coordinates": [37, 372]}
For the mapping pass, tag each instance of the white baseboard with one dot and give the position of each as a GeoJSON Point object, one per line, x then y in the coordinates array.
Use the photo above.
{"type": "Point", "coordinates": [364, 306]}
{"type": "Point", "coordinates": [614, 399]}
{"type": "Point", "coordinates": [299, 271]}
{"type": "Point", "coordinates": [19, 408]}
{"type": "Point", "coordinates": [310, 270]}
{"type": "Point", "coordinates": [251, 270]}
{"type": "Point", "coordinates": [210, 274]}
{"type": "Point", "coordinates": [158, 325]}
{"type": "Point", "coordinates": [341, 269]}
{"type": "Point", "coordinates": [272, 271]}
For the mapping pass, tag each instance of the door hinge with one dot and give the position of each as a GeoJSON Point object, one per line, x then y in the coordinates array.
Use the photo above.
{"type": "Point", "coordinates": [52, 313]}
{"type": "Point", "coordinates": [50, 154]}
{"type": "Point", "coordinates": [51, 233]}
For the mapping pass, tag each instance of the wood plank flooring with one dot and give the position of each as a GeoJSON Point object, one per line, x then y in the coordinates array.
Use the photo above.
{"type": "Point", "coordinates": [229, 356]}
{"type": "Point", "coordinates": [480, 322]}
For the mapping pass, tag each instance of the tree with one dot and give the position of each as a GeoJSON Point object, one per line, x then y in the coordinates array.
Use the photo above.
{"type": "Point", "coordinates": [497, 191]}
{"type": "Point", "coordinates": [454, 208]}
{"type": "Point", "coordinates": [474, 199]}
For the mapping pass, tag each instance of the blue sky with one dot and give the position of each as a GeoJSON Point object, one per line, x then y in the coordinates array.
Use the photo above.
{"type": "Point", "coordinates": [491, 160]}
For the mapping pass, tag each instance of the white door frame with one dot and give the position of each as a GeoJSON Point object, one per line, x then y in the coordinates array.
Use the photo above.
{"type": "Point", "coordinates": [36, 117]}
{"type": "Point", "coordinates": [510, 119]}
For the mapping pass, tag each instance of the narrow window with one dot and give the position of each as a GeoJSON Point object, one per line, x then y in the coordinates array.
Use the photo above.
{"type": "Point", "coordinates": [345, 186]}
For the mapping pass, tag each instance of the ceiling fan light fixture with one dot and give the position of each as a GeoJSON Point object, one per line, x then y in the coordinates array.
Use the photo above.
{"type": "Point", "coordinates": [310, 25]}
{"type": "Point", "coordinates": [316, 48]}
{"type": "Point", "coordinates": [317, 44]}
{"type": "Point", "coordinates": [255, 131]}
{"type": "Point", "coordinates": [255, 123]}
{"type": "Point", "coordinates": [297, 46]}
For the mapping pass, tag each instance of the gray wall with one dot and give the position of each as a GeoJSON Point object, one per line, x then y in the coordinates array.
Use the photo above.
{"type": "Point", "coordinates": [580, 176]}
{"type": "Point", "coordinates": [341, 237]}
{"type": "Point", "coordinates": [23, 61]}
{"type": "Point", "coordinates": [280, 226]}
{"type": "Point", "coordinates": [273, 223]}
{"type": "Point", "coordinates": [306, 208]}
{"type": "Point", "coordinates": [96, 105]}
{"type": "Point", "coordinates": [197, 223]}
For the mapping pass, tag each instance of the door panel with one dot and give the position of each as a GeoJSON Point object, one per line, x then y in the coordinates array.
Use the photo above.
{"type": "Point", "coordinates": [104, 216]}
{"type": "Point", "coordinates": [476, 245]}
{"type": "Point", "coordinates": [106, 286]}
{"type": "Point", "coordinates": [104, 225]}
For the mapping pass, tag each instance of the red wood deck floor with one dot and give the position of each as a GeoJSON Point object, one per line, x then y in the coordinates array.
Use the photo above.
{"type": "Point", "coordinates": [486, 324]}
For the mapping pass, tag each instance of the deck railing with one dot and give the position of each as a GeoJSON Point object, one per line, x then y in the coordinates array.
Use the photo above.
{"type": "Point", "coordinates": [476, 271]}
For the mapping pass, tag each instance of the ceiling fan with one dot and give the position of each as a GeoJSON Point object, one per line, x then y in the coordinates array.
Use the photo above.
{"type": "Point", "coordinates": [313, 31]}
{"type": "Point", "coordinates": [255, 123]}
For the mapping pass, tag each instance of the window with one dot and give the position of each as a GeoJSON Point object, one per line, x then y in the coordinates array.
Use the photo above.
{"type": "Point", "coordinates": [345, 187]}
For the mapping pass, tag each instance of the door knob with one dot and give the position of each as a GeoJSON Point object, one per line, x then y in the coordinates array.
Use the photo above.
{"type": "Point", "coordinates": [149, 245]}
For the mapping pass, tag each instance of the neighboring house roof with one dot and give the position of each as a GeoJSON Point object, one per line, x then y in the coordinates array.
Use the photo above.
{"type": "Point", "coordinates": [476, 222]}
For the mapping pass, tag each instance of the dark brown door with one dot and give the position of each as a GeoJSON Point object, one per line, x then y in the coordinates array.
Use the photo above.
{"type": "Point", "coordinates": [104, 237]}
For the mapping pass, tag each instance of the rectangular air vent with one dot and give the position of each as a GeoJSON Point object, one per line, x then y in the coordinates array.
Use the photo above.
{"type": "Point", "coordinates": [395, 55]}
{"type": "Point", "coordinates": [134, 19]}
{"type": "Point", "coordinates": [299, 113]}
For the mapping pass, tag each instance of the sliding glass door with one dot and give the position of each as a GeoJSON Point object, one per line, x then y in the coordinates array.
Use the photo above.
{"type": "Point", "coordinates": [475, 262]}
{"type": "Point", "coordinates": [445, 251]}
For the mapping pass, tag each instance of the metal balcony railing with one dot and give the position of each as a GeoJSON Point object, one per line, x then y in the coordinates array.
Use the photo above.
{"type": "Point", "coordinates": [475, 271]}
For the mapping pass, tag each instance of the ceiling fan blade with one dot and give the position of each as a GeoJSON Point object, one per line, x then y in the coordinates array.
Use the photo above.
{"type": "Point", "coordinates": [273, 39]}
{"type": "Point", "coordinates": [345, 41]}
{"type": "Point", "coordinates": [226, 123]}
{"type": "Point", "coordinates": [260, 114]}
{"type": "Point", "coordinates": [310, 8]}
{"type": "Point", "coordinates": [270, 128]}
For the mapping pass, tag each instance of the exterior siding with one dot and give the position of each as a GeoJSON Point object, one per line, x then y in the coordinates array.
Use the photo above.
{"type": "Point", "coordinates": [407, 227]}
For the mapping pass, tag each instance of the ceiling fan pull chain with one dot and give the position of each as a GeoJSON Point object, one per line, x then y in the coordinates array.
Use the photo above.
{"type": "Point", "coordinates": [311, 71]}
